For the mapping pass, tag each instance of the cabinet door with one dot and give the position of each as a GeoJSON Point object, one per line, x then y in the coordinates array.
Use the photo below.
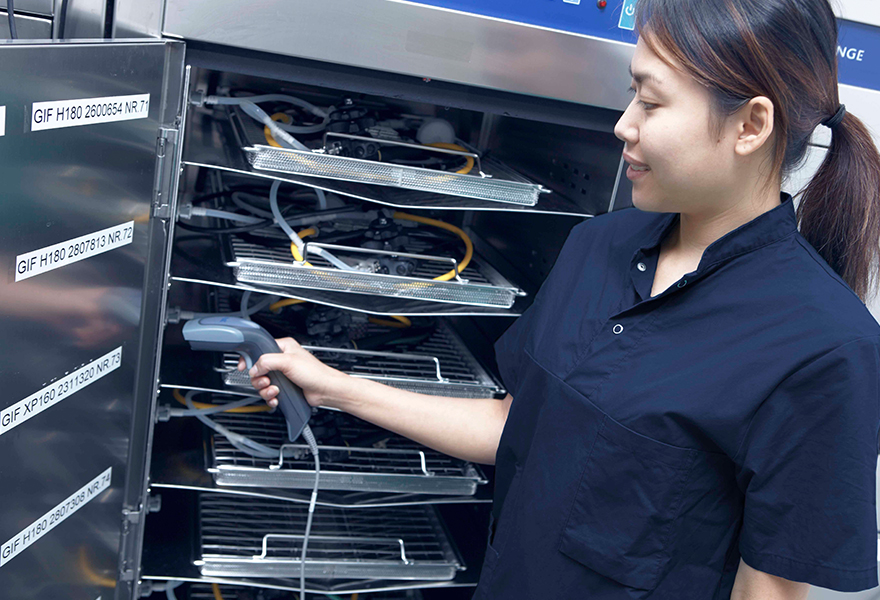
{"type": "Point", "coordinates": [82, 126]}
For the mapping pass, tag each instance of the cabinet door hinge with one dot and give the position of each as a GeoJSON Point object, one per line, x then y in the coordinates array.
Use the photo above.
{"type": "Point", "coordinates": [165, 146]}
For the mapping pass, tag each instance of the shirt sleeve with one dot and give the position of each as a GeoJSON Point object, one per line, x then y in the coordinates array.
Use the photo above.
{"type": "Point", "coordinates": [510, 347]}
{"type": "Point", "coordinates": [807, 466]}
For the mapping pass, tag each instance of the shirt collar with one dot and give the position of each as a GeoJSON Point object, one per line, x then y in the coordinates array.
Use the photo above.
{"type": "Point", "coordinates": [764, 229]}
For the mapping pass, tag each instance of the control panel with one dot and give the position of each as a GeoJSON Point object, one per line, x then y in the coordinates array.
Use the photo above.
{"type": "Point", "coordinates": [607, 19]}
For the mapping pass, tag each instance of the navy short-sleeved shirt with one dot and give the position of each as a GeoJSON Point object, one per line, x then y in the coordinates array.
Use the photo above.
{"type": "Point", "coordinates": [651, 442]}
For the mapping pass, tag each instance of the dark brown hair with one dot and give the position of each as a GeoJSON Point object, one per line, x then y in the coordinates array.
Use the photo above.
{"type": "Point", "coordinates": [785, 50]}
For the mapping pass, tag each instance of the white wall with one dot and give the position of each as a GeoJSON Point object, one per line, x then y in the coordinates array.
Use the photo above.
{"type": "Point", "coordinates": [863, 11]}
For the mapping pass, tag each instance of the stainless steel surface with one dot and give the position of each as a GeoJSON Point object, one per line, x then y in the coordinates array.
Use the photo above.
{"type": "Point", "coordinates": [85, 18]}
{"type": "Point", "coordinates": [213, 145]}
{"type": "Point", "coordinates": [355, 456]}
{"type": "Point", "coordinates": [165, 192]}
{"type": "Point", "coordinates": [479, 285]}
{"type": "Point", "coordinates": [54, 322]}
{"type": "Point", "coordinates": [261, 538]}
{"type": "Point", "coordinates": [37, 7]}
{"type": "Point", "coordinates": [138, 18]}
{"type": "Point", "coordinates": [28, 28]}
{"type": "Point", "coordinates": [416, 40]}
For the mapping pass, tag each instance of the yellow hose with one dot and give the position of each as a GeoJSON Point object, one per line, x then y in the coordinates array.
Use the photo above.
{"type": "Point", "coordinates": [216, 589]}
{"type": "Point", "coordinates": [286, 119]}
{"type": "Point", "coordinates": [241, 409]}
{"type": "Point", "coordinates": [277, 306]}
{"type": "Point", "coordinates": [402, 324]}
{"type": "Point", "coordinates": [469, 252]}
{"type": "Point", "coordinates": [470, 159]}
{"type": "Point", "coordinates": [297, 255]}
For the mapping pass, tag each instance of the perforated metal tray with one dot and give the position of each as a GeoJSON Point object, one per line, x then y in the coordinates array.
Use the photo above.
{"type": "Point", "coordinates": [252, 537]}
{"type": "Point", "coordinates": [497, 182]}
{"type": "Point", "coordinates": [365, 458]}
{"type": "Point", "coordinates": [479, 284]}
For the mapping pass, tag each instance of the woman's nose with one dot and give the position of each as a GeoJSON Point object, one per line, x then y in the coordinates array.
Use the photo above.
{"type": "Point", "coordinates": [626, 129]}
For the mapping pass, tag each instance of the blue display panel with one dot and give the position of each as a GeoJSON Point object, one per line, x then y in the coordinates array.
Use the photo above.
{"type": "Point", "coordinates": [858, 55]}
{"type": "Point", "coordinates": [613, 22]}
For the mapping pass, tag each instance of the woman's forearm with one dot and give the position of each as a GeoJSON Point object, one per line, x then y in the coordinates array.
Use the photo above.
{"type": "Point", "coordinates": [464, 428]}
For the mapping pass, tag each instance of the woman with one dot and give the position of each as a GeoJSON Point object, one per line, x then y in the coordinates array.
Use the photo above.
{"type": "Point", "coordinates": [696, 384]}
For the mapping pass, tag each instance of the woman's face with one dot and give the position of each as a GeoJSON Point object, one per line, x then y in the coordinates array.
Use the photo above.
{"type": "Point", "coordinates": [676, 163]}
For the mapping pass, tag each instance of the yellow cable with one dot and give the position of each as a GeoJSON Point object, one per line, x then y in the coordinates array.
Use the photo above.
{"type": "Point", "coordinates": [287, 119]}
{"type": "Point", "coordinates": [277, 306]}
{"type": "Point", "coordinates": [216, 589]}
{"type": "Point", "coordinates": [470, 159]}
{"type": "Point", "coordinates": [469, 252]}
{"type": "Point", "coordinates": [354, 596]}
{"type": "Point", "coordinates": [403, 322]}
{"type": "Point", "coordinates": [295, 251]}
{"type": "Point", "coordinates": [241, 409]}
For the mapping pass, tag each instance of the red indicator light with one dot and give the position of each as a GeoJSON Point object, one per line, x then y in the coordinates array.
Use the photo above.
{"type": "Point", "coordinates": [602, 3]}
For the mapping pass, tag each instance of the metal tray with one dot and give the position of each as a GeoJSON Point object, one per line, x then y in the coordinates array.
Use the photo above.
{"type": "Point", "coordinates": [439, 366]}
{"type": "Point", "coordinates": [495, 182]}
{"type": "Point", "coordinates": [204, 591]}
{"type": "Point", "coordinates": [364, 458]}
{"type": "Point", "coordinates": [250, 537]}
{"type": "Point", "coordinates": [477, 285]}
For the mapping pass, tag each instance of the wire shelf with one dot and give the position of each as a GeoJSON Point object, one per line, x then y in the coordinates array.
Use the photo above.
{"type": "Point", "coordinates": [202, 591]}
{"type": "Point", "coordinates": [355, 456]}
{"type": "Point", "coordinates": [274, 266]}
{"type": "Point", "coordinates": [439, 366]}
{"type": "Point", "coordinates": [252, 537]}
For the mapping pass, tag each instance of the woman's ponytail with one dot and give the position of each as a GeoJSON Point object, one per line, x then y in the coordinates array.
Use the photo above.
{"type": "Point", "coordinates": [839, 211]}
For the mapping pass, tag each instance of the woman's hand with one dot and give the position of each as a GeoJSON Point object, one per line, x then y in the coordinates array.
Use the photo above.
{"type": "Point", "coordinates": [320, 383]}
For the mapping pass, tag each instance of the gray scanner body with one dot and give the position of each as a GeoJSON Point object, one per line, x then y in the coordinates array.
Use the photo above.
{"type": "Point", "coordinates": [233, 334]}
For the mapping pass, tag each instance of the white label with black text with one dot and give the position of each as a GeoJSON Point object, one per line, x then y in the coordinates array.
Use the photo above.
{"type": "Point", "coordinates": [88, 111]}
{"type": "Point", "coordinates": [51, 519]}
{"type": "Point", "coordinates": [59, 390]}
{"type": "Point", "coordinates": [2, 121]}
{"type": "Point", "coordinates": [71, 251]}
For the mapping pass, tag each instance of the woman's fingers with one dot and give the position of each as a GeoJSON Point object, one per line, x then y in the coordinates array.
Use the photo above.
{"type": "Point", "coordinates": [260, 382]}
{"type": "Point", "coordinates": [288, 344]}
{"type": "Point", "coordinates": [269, 362]}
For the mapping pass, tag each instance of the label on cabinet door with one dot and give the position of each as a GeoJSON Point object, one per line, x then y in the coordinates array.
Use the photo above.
{"type": "Point", "coordinates": [56, 114]}
{"type": "Point", "coordinates": [51, 519]}
{"type": "Point", "coordinates": [62, 254]}
{"type": "Point", "coordinates": [60, 390]}
{"type": "Point", "coordinates": [2, 121]}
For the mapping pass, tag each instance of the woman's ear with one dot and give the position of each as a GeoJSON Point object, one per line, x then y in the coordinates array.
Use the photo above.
{"type": "Point", "coordinates": [754, 123]}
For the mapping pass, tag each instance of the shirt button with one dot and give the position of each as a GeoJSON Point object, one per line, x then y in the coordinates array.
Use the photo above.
{"type": "Point", "coordinates": [617, 329]}
{"type": "Point", "coordinates": [682, 283]}
{"type": "Point", "coordinates": [641, 266]}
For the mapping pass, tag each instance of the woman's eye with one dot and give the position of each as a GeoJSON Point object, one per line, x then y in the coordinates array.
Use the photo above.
{"type": "Point", "coordinates": [647, 105]}
{"type": "Point", "coordinates": [631, 90]}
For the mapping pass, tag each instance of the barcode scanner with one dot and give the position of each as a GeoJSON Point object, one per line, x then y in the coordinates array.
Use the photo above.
{"type": "Point", "coordinates": [233, 334]}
